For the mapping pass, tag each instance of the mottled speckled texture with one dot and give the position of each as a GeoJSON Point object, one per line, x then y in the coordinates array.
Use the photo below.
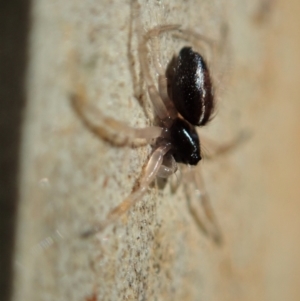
{"type": "Point", "coordinates": [71, 178]}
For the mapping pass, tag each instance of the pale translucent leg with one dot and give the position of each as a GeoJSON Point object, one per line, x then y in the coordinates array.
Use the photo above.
{"type": "Point", "coordinates": [213, 148]}
{"type": "Point", "coordinates": [162, 80]}
{"type": "Point", "coordinates": [188, 34]}
{"type": "Point", "coordinates": [150, 172]}
{"type": "Point", "coordinates": [168, 167]}
{"type": "Point", "coordinates": [203, 44]}
{"type": "Point", "coordinates": [197, 196]}
{"type": "Point", "coordinates": [157, 100]}
{"type": "Point", "coordinates": [153, 35]}
{"type": "Point", "coordinates": [214, 228]}
{"type": "Point", "coordinates": [207, 221]}
{"type": "Point", "coordinates": [109, 129]}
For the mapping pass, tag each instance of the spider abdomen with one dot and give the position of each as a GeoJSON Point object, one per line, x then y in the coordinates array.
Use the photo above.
{"type": "Point", "coordinates": [192, 88]}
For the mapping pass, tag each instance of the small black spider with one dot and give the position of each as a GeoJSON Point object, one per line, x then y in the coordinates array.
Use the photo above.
{"type": "Point", "coordinates": [192, 95]}
{"type": "Point", "coordinates": [184, 99]}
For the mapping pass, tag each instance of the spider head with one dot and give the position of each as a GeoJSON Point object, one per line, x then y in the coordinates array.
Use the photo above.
{"type": "Point", "coordinates": [185, 142]}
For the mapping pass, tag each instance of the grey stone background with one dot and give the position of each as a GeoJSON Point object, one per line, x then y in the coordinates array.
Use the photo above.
{"type": "Point", "coordinates": [70, 178]}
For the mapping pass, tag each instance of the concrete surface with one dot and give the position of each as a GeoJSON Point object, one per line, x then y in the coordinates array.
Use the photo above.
{"type": "Point", "coordinates": [70, 178]}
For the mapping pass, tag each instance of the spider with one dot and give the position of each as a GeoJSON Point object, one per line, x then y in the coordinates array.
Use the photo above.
{"type": "Point", "coordinates": [183, 100]}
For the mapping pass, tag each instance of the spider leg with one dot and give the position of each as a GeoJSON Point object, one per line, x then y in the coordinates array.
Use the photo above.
{"type": "Point", "coordinates": [206, 220]}
{"type": "Point", "coordinates": [204, 198]}
{"type": "Point", "coordinates": [162, 79]}
{"type": "Point", "coordinates": [151, 170]}
{"type": "Point", "coordinates": [158, 99]}
{"type": "Point", "coordinates": [188, 34]}
{"type": "Point", "coordinates": [202, 43]}
{"type": "Point", "coordinates": [152, 34]}
{"type": "Point", "coordinates": [214, 148]}
{"type": "Point", "coordinates": [109, 129]}
{"type": "Point", "coordinates": [168, 167]}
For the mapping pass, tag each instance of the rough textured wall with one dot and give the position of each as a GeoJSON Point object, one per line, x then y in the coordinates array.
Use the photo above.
{"type": "Point", "coordinates": [71, 178]}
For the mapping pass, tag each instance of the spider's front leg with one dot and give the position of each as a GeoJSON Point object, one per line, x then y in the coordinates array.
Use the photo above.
{"type": "Point", "coordinates": [197, 195]}
{"type": "Point", "coordinates": [152, 169]}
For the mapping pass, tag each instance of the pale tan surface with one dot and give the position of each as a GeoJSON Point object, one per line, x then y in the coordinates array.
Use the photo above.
{"type": "Point", "coordinates": [71, 178]}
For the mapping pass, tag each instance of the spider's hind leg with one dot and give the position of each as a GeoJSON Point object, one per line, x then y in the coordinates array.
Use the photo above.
{"type": "Point", "coordinates": [163, 107]}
